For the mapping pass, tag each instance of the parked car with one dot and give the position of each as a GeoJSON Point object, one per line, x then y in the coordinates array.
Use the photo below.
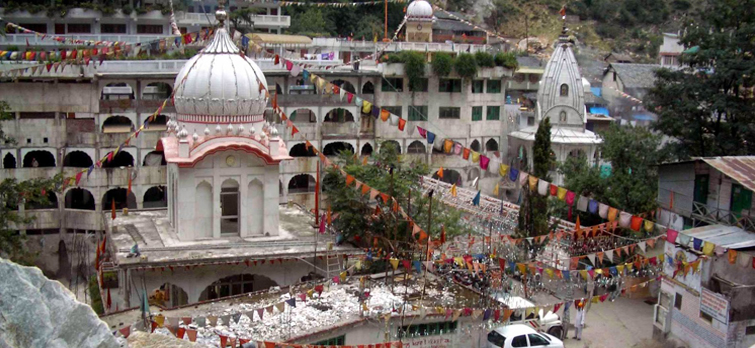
{"type": "Point", "coordinates": [542, 321]}
{"type": "Point", "coordinates": [519, 336]}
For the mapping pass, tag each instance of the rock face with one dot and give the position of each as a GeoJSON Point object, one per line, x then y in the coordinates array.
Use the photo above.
{"type": "Point", "coordinates": [139, 339]}
{"type": "Point", "coordinates": [38, 312]}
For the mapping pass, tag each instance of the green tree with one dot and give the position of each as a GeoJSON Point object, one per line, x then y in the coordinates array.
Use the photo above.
{"type": "Point", "coordinates": [533, 214]}
{"type": "Point", "coordinates": [312, 23]}
{"type": "Point", "coordinates": [368, 27]}
{"type": "Point", "coordinates": [708, 106]}
{"type": "Point", "coordinates": [442, 64]}
{"type": "Point", "coordinates": [501, 12]}
{"type": "Point", "coordinates": [465, 65]}
{"type": "Point", "coordinates": [633, 153]}
{"type": "Point", "coordinates": [357, 213]}
{"type": "Point", "coordinates": [14, 193]}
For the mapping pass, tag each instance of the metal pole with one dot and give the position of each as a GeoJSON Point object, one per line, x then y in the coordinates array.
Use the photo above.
{"type": "Point", "coordinates": [317, 218]}
{"type": "Point", "coordinates": [385, 23]}
{"type": "Point", "coordinates": [427, 242]}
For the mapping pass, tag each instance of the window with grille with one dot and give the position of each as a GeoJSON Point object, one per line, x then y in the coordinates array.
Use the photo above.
{"type": "Point", "coordinates": [392, 84]}
{"type": "Point", "coordinates": [394, 110]}
{"type": "Point", "coordinates": [477, 86]}
{"type": "Point", "coordinates": [79, 28]}
{"type": "Point", "coordinates": [678, 301]}
{"type": "Point", "coordinates": [428, 329]}
{"type": "Point", "coordinates": [477, 113]}
{"type": "Point", "coordinates": [494, 113]}
{"type": "Point", "coordinates": [417, 113]}
{"type": "Point", "coordinates": [421, 86]}
{"type": "Point", "coordinates": [449, 112]}
{"type": "Point", "coordinates": [149, 29]}
{"type": "Point", "coordinates": [113, 28]}
{"type": "Point", "coordinates": [335, 341]}
{"type": "Point", "coordinates": [494, 86]}
{"type": "Point", "coordinates": [449, 85]}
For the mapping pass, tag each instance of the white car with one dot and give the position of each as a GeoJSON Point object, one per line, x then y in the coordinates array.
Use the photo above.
{"type": "Point", "coordinates": [545, 321]}
{"type": "Point", "coordinates": [521, 335]}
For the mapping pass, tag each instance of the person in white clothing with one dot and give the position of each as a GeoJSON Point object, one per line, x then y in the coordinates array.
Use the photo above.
{"type": "Point", "coordinates": [579, 322]}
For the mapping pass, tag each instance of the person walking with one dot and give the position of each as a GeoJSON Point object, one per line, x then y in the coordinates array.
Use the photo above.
{"type": "Point", "coordinates": [579, 322]}
{"type": "Point", "coordinates": [566, 318]}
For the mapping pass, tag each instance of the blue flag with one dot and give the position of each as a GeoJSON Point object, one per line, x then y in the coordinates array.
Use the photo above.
{"type": "Point", "coordinates": [513, 174]}
{"type": "Point", "coordinates": [418, 266]}
{"type": "Point", "coordinates": [244, 42]}
{"type": "Point", "coordinates": [430, 137]}
{"type": "Point", "coordinates": [476, 200]}
{"type": "Point", "coordinates": [567, 275]}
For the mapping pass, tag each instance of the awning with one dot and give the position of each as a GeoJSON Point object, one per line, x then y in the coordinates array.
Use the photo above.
{"type": "Point", "coordinates": [729, 237]}
{"type": "Point", "coordinates": [261, 38]}
{"type": "Point", "coordinates": [529, 70]}
{"type": "Point", "coordinates": [599, 110]}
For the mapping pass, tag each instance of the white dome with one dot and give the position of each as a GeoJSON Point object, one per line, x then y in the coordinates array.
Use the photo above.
{"type": "Point", "coordinates": [419, 10]}
{"type": "Point", "coordinates": [220, 82]}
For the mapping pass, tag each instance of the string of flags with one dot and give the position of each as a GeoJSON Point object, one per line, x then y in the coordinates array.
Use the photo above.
{"type": "Point", "coordinates": [339, 4]}
{"type": "Point", "coordinates": [116, 45]}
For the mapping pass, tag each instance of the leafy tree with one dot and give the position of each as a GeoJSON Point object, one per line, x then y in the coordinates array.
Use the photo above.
{"type": "Point", "coordinates": [312, 23]}
{"type": "Point", "coordinates": [369, 27]}
{"type": "Point", "coordinates": [357, 218]}
{"type": "Point", "coordinates": [465, 65]}
{"type": "Point", "coordinates": [533, 213]}
{"type": "Point", "coordinates": [633, 153]}
{"type": "Point", "coordinates": [414, 68]}
{"type": "Point", "coordinates": [484, 59]}
{"type": "Point", "coordinates": [708, 106]}
{"type": "Point", "coordinates": [13, 193]}
{"type": "Point", "coordinates": [506, 60]}
{"type": "Point", "coordinates": [442, 63]}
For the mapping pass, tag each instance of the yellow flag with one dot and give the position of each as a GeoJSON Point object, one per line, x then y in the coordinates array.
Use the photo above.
{"type": "Point", "coordinates": [549, 272]}
{"type": "Point", "coordinates": [595, 299]}
{"type": "Point", "coordinates": [533, 182]}
{"type": "Point", "coordinates": [708, 248]}
{"type": "Point", "coordinates": [495, 190]}
{"type": "Point", "coordinates": [522, 268]}
{"type": "Point", "coordinates": [453, 190]}
{"type": "Point", "coordinates": [475, 157]}
{"type": "Point", "coordinates": [584, 274]}
{"type": "Point", "coordinates": [503, 170]}
{"type": "Point", "coordinates": [343, 276]}
{"type": "Point", "coordinates": [366, 107]}
{"type": "Point", "coordinates": [394, 263]}
{"type": "Point", "coordinates": [561, 193]}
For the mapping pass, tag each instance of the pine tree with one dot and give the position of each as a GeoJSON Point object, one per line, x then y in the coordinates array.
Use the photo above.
{"type": "Point", "coordinates": [533, 213]}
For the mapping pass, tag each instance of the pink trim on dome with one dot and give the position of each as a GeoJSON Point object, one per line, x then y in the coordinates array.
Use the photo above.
{"type": "Point", "coordinates": [200, 155]}
{"type": "Point", "coordinates": [217, 119]}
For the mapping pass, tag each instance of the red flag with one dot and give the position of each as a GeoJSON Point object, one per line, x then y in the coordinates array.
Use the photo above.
{"type": "Point", "coordinates": [128, 192]}
{"type": "Point", "coordinates": [126, 331]}
{"type": "Point", "coordinates": [576, 225]}
{"type": "Point", "coordinates": [112, 210]}
{"type": "Point", "coordinates": [223, 340]}
{"type": "Point", "coordinates": [180, 332]}
{"type": "Point", "coordinates": [401, 124]}
{"type": "Point", "coordinates": [294, 130]}
{"type": "Point", "coordinates": [109, 302]}
{"type": "Point", "coordinates": [322, 226]}
{"type": "Point", "coordinates": [192, 335]}
{"type": "Point", "coordinates": [562, 12]}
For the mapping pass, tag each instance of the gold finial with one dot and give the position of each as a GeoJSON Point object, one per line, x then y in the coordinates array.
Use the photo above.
{"type": "Point", "coordinates": [220, 13]}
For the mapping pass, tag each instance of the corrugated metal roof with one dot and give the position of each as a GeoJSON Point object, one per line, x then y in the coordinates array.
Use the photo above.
{"type": "Point", "coordinates": [729, 237]}
{"type": "Point", "coordinates": [740, 168]}
{"type": "Point", "coordinates": [279, 39]}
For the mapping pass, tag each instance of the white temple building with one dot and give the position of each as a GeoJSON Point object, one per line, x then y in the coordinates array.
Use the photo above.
{"type": "Point", "coordinates": [560, 98]}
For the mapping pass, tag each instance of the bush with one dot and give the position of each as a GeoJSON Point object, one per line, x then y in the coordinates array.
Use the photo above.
{"type": "Point", "coordinates": [414, 68]}
{"type": "Point", "coordinates": [484, 59]}
{"type": "Point", "coordinates": [442, 64]}
{"type": "Point", "coordinates": [94, 293]}
{"type": "Point", "coordinates": [506, 60]}
{"type": "Point", "coordinates": [466, 66]}
{"type": "Point", "coordinates": [127, 9]}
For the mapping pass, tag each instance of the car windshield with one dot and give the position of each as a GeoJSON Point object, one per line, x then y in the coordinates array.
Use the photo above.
{"type": "Point", "coordinates": [545, 336]}
{"type": "Point", "coordinates": [496, 339]}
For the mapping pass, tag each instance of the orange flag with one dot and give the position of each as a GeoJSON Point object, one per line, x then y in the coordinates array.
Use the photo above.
{"type": "Point", "coordinates": [112, 210]}
{"type": "Point", "coordinates": [576, 224]}
{"type": "Point", "coordinates": [442, 234]}
{"type": "Point", "coordinates": [440, 172]}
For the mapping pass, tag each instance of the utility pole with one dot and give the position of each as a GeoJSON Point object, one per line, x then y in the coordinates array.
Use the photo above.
{"type": "Point", "coordinates": [427, 242]}
{"type": "Point", "coordinates": [526, 34]}
{"type": "Point", "coordinates": [385, 22]}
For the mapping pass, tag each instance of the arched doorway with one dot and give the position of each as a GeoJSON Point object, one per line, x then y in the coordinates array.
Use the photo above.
{"type": "Point", "coordinates": [159, 124]}
{"type": "Point", "coordinates": [339, 116]}
{"type": "Point", "coordinates": [154, 158]}
{"type": "Point", "coordinates": [117, 124]}
{"type": "Point", "coordinates": [168, 295]}
{"type": "Point", "coordinates": [396, 147]}
{"type": "Point", "coordinates": [229, 207]}
{"type": "Point", "coordinates": [333, 149]}
{"type": "Point", "coordinates": [366, 150]}
{"type": "Point", "coordinates": [78, 159]}
{"type": "Point", "coordinates": [39, 158]}
{"type": "Point", "coordinates": [9, 161]}
{"type": "Point", "coordinates": [156, 197]}
{"type": "Point", "coordinates": [236, 285]}
{"type": "Point", "coordinates": [302, 183]}
{"type": "Point", "coordinates": [117, 91]}
{"type": "Point", "coordinates": [345, 85]}
{"type": "Point", "coordinates": [416, 147]}
{"type": "Point", "coordinates": [300, 150]}
{"type": "Point", "coordinates": [121, 200]}
{"type": "Point", "coordinates": [79, 198]}
{"type": "Point", "coordinates": [491, 145]}
{"type": "Point", "coordinates": [203, 208]}
{"type": "Point", "coordinates": [121, 159]}
{"type": "Point", "coordinates": [450, 176]}
{"type": "Point", "coordinates": [303, 116]}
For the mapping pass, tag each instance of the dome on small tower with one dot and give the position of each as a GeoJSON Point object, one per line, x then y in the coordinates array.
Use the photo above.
{"type": "Point", "coordinates": [220, 85]}
{"type": "Point", "coordinates": [420, 10]}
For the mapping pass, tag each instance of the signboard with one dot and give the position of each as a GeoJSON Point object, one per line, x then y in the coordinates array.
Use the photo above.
{"type": "Point", "coordinates": [430, 342]}
{"type": "Point", "coordinates": [715, 305]}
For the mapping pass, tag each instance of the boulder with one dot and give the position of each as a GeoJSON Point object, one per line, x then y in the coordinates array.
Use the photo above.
{"type": "Point", "coordinates": [140, 339]}
{"type": "Point", "coordinates": [39, 312]}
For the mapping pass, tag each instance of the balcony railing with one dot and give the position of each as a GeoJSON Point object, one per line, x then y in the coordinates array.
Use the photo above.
{"type": "Point", "coordinates": [713, 215]}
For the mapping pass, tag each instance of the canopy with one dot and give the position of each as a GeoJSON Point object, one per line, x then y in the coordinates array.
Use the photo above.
{"type": "Point", "coordinates": [261, 38]}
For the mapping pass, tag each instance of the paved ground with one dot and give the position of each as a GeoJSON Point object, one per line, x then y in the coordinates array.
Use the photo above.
{"type": "Point", "coordinates": [623, 323]}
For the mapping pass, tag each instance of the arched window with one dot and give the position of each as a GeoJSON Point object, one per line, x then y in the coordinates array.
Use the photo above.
{"type": "Point", "coordinates": [334, 149]}
{"type": "Point", "coordinates": [368, 88]}
{"type": "Point", "coordinates": [450, 176]}
{"type": "Point", "coordinates": [346, 85]}
{"type": "Point", "coordinates": [117, 91]}
{"type": "Point", "coordinates": [121, 159]}
{"type": "Point", "coordinates": [236, 285]}
{"type": "Point", "coordinates": [122, 200]}
{"type": "Point", "coordinates": [156, 197]}
{"type": "Point", "coordinates": [300, 150]}
{"type": "Point", "coordinates": [39, 158]}
{"type": "Point", "coordinates": [475, 146]}
{"type": "Point", "coordinates": [159, 124]}
{"type": "Point", "coordinates": [303, 116]}
{"type": "Point", "coordinates": [78, 159]}
{"type": "Point", "coordinates": [9, 161]}
{"type": "Point", "coordinates": [339, 116]}
{"type": "Point", "coordinates": [416, 147]}
{"type": "Point", "coordinates": [390, 143]}
{"type": "Point", "coordinates": [255, 195]}
{"type": "Point", "coordinates": [366, 150]}
{"type": "Point", "coordinates": [154, 158]}
{"type": "Point", "coordinates": [562, 117]}
{"type": "Point", "coordinates": [117, 124]}
{"type": "Point", "coordinates": [564, 90]}
{"type": "Point", "coordinates": [203, 210]}
{"type": "Point", "coordinates": [157, 91]}
{"type": "Point", "coordinates": [491, 145]}
{"type": "Point", "coordinates": [301, 183]}
{"type": "Point", "coordinates": [229, 207]}
{"type": "Point", "coordinates": [168, 295]}
{"type": "Point", "coordinates": [50, 202]}
{"type": "Point", "coordinates": [79, 198]}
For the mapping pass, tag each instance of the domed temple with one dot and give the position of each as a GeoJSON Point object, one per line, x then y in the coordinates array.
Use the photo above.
{"type": "Point", "coordinates": [224, 232]}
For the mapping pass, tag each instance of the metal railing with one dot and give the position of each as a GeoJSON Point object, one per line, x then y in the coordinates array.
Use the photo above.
{"type": "Point", "coordinates": [713, 215]}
